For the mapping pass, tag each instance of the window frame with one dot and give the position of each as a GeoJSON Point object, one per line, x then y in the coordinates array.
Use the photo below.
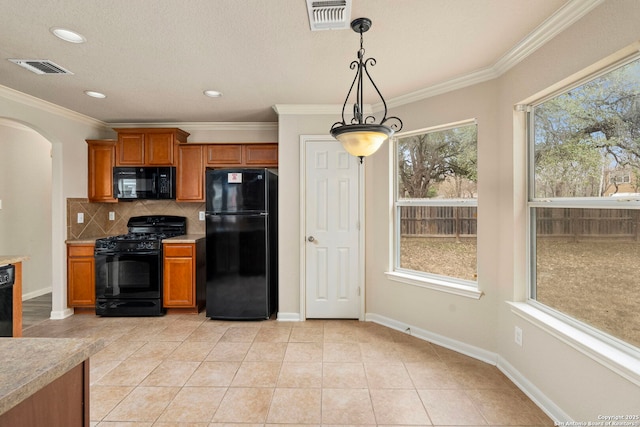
{"type": "Point", "coordinates": [595, 342]}
{"type": "Point", "coordinates": [447, 284]}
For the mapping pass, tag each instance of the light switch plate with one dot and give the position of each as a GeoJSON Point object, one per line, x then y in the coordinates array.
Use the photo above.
{"type": "Point", "coordinates": [80, 217]}
{"type": "Point", "coordinates": [201, 215]}
{"type": "Point", "coordinates": [112, 216]}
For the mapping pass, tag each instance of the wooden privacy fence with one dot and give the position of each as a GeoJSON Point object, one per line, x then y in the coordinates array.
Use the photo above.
{"type": "Point", "coordinates": [438, 221]}
{"type": "Point", "coordinates": [461, 221]}
{"type": "Point", "coordinates": [586, 223]}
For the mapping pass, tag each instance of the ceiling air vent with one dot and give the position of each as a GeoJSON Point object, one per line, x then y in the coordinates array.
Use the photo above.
{"type": "Point", "coordinates": [329, 15]}
{"type": "Point", "coordinates": [41, 66]}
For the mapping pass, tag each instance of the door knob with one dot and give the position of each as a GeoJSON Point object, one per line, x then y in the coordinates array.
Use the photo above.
{"type": "Point", "coordinates": [311, 238]}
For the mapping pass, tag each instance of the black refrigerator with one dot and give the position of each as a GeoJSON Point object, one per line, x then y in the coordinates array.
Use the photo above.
{"type": "Point", "coordinates": [242, 243]}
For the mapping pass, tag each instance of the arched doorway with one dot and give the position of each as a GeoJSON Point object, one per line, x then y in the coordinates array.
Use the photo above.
{"type": "Point", "coordinates": [26, 205]}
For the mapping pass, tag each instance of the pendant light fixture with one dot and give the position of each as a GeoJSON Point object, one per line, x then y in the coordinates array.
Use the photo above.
{"type": "Point", "coordinates": [362, 136]}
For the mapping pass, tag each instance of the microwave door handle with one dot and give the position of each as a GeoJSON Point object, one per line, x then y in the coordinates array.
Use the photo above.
{"type": "Point", "coordinates": [153, 183]}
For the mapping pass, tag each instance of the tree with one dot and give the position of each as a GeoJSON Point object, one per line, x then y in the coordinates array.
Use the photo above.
{"type": "Point", "coordinates": [581, 136]}
{"type": "Point", "coordinates": [430, 158]}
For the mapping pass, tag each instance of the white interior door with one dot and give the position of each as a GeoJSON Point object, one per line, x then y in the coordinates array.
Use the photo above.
{"type": "Point", "coordinates": [332, 237]}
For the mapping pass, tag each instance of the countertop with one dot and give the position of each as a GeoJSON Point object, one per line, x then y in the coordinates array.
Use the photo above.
{"type": "Point", "coordinates": [185, 238]}
{"type": "Point", "coordinates": [12, 259]}
{"type": "Point", "coordinates": [29, 364]}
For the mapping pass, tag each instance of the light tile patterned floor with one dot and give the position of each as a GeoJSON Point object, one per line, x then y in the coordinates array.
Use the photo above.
{"type": "Point", "coordinates": [192, 371]}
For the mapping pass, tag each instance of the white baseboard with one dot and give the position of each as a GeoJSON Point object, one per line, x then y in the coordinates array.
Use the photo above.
{"type": "Point", "coordinates": [35, 294]}
{"type": "Point", "coordinates": [458, 346]}
{"type": "Point", "coordinates": [533, 392]}
{"type": "Point", "coordinates": [288, 317]}
{"type": "Point", "coordinates": [61, 314]}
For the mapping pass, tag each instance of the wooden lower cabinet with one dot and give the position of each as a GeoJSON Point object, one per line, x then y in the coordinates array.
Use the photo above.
{"type": "Point", "coordinates": [81, 276]}
{"type": "Point", "coordinates": [62, 403]}
{"type": "Point", "coordinates": [184, 277]}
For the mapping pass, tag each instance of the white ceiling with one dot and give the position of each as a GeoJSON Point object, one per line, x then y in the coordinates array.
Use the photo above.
{"type": "Point", "coordinates": [153, 59]}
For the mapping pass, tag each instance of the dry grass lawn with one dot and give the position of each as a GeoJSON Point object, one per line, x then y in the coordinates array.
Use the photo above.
{"type": "Point", "coordinates": [594, 281]}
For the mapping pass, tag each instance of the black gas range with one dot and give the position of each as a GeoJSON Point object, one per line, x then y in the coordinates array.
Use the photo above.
{"type": "Point", "coordinates": [129, 267]}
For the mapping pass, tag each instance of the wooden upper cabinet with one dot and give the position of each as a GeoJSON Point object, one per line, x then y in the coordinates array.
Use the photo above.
{"type": "Point", "coordinates": [102, 158]}
{"type": "Point", "coordinates": [224, 155]}
{"type": "Point", "coordinates": [190, 173]}
{"type": "Point", "coordinates": [261, 154]}
{"type": "Point", "coordinates": [148, 147]}
{"type": "Point", "coordinates": [251, 155]}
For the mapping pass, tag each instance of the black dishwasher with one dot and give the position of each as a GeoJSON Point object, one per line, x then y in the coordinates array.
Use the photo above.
{"type": "Point", "coordinates": [7, 278]}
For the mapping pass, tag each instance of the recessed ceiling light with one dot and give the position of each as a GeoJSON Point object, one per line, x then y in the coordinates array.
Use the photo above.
{"type": "Point", "coordinates": [213, 93]}
{"type": "Point", "coordinates": [94, 94]}
{"type": "Point", "coordinates": [68, 35]}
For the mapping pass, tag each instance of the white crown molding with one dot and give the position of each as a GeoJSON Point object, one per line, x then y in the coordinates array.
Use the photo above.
{"type": "Point", "coordinates": [40, 104]}
{"type": "Point", "coordinates": [567, 15]}
{"type": "Point", "coordinates": [315, 109]}
{"type": "Point", "coordinates": [203, 126]}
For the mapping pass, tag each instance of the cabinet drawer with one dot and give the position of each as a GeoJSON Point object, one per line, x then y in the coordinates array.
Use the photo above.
{"type": "Point", "coordinates": [178, 250]}
{"type": "Point", "coordinates": [80, 250]}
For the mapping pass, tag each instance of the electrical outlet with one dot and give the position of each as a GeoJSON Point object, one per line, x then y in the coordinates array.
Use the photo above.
{"type": "Point", "coordinates": [201, 215]}
{"type": "Point", "coordinates": [80, 218]}
{"type": "Point", "coordinates": [518, 336]}
{"type": "Point", "coordinates": [112, 216]}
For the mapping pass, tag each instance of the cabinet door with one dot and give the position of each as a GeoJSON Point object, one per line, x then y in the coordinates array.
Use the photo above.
{"type": "Point", "coordinates": [224, 155]}
{"type": "Point", "coordinates": [81, 273]}
{"type": "Point", "coordinates": [102, 158]}
{"type": "Point", "coordinates": [130, 149]}
{"type": "Point", "coordinates": [179, 279]}
{"type": "Point", "coordinates": [159, 149]}
{"type": "Point", "coordinates": [190, 173]}
{"type": "Point", "coordinates": [261, 154]}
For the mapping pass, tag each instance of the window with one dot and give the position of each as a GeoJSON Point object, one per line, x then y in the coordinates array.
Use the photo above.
{"type": "Point", "coordinates": [436, 204]}
{"type": "Point", "coordinates": [584, 208]}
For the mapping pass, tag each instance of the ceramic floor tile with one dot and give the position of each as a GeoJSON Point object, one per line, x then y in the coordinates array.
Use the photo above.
{"type": "Point", "coordinates": [170, 373]}
{"type": "Point", "coordinates": [346, 406]}
{"type": "Point", "coordinates": [295, 406]}
{"type": "Point", "coordinates": [303, 352]}
{"type": "Point", "coordinates": [398, 407]}
{"type": "Point", "coordinates": [213, 374]}
{"type": "Point", "coordinates": [341, 352]}
{"type": "Point", "coordinates": [129, 373]}
{"type": "Point", "coordinates": [273, 335]}
{"type": "Point", "coordinates": [103, 399]}
{"type": "Point", "coordinates": [380, 353]}
{"type": "Point", "coordinates": [343, 375]}
{"type": "Point", "coordinates": [432, 375]}
{"type": "Point", "coordinates": [300, 375]}
{"type": "Point", "coordinates": [143, 404]}
{"type": "Point", "coordinates": [100, 368]}
{"type": "Point", "coordinates": [117, 350]}
{"type": "Point", "coordinates": [155, 350]}
{"type": "Point", "coordinates": [193, 404]}
{"type": "Point", "coordinates": [192, 351]}
{"type": "Point", "coordinates": [266, 352]}
{"type": "Point", "coordinates": [387, 375]}
{"type": "Point", "coordinates": [207, 332]}
{"type": "Point", "coordinates": [240, 334]}
{"type": "Point", "coordinates": [505, 407]}
{"type": "Point", "coordinates": [451, 407]}
{"type": "Point", "coordinates": [478, 375]}
{"type": "Point", "coordinates": [244, 405]}
{"type": "Point", "coordinates": [229, 351]}
{"type": "Point", "coordinates": [257, 374]}
{"type": "Point", "coordinates": [311, 334]}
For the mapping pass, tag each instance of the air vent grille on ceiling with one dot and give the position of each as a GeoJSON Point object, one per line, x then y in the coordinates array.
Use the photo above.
{"type": "Point", "coordinates": [41, 66]}
{"type": "Point", "coordinates": [329, 15]}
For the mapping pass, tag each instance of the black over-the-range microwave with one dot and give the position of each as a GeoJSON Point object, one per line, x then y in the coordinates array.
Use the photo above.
{"type": "Point", "coordinates": [135, 183]}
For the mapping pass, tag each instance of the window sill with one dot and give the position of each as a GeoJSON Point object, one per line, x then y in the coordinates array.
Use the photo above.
{"type": "Point", "coordinates": [435, 284]}
{"type": "Point", "coordinates": [619, 361]}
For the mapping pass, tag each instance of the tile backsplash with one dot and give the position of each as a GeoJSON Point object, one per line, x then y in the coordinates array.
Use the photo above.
{"type": "Point", "coordinates": [96, 216]}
